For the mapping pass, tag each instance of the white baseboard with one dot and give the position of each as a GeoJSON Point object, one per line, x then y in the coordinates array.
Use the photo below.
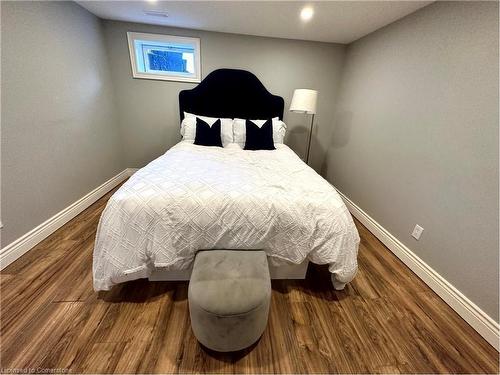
{"type": "Point", "coordinates": [470, 312]}
{"type": "Point", "coordinates": [16, 249]}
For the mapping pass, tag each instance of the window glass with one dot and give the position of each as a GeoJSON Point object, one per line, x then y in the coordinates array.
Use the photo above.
{"type": "Point", "coordinates": [165, 57]}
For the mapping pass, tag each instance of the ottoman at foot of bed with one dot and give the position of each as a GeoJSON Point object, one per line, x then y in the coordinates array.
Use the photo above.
{"type": "Point", "coordinates": [229, 296]}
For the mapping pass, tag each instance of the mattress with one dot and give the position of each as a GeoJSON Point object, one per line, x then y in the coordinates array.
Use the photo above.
{"type": "Point", "coordinates": [196, 198]}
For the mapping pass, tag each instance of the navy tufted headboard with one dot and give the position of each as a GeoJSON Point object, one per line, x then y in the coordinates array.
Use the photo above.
{"type": "Point", "coordinates": [231, 93]}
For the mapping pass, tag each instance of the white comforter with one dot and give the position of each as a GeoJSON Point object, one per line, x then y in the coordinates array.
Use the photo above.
{"type": "Point", "coordinates": [196, 197]}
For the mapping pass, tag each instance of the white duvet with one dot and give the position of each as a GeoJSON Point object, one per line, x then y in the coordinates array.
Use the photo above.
{"type": "Point", "coordinates": [196, 197]}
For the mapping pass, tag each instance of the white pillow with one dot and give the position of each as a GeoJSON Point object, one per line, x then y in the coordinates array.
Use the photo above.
{"type": "Point", "coordinates": [188, 127]}
{"type": "Point", "coordinates": [240, 130]}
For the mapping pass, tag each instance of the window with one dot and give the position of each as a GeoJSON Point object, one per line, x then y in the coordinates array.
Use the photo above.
{"type": "Point", "coordinates": [165, 57]}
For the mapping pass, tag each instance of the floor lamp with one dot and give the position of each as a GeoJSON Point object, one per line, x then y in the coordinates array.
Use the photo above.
{"type": "Point", "coordinates": [304, 101]}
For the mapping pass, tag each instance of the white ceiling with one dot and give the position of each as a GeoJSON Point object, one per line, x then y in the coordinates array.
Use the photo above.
{"type": "Point", "coordinates": [333, 21]}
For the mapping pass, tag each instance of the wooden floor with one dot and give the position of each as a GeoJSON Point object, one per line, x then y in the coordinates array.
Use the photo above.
{"type": "Point", "coordinates": [386, 320]}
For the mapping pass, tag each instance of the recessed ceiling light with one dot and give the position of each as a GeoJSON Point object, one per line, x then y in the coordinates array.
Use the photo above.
{"type": "Point", "coordinates": [306, 13]}
{"type": "Point", "coordinates": [151, 1]}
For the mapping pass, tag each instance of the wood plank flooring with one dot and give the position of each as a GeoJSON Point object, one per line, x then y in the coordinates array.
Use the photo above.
{"type": "Point", "coordinates": [386, 321]}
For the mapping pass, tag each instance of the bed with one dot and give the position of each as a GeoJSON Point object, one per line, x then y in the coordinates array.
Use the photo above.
{"type": "Point", "coordinates": [197, 198]}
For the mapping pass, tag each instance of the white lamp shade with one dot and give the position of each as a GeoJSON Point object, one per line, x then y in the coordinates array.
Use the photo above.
{"type": "Point", "coordinates": [304, 101]}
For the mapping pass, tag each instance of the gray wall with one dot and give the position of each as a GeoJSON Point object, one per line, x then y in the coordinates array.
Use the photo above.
{"type": "Point", "coordinates": [149, 110]}
{"type": "Point", "coordinates": [59, 133]}
{"type": "Point", "coordinates": [416, 139]}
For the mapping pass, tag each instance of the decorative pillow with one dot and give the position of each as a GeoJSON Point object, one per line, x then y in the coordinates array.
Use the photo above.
{"type": "Point", "coordinates": [239, 128]}
{"type": "Point", "coordinates": [259, 137]}
{"type": "Point", "coordinates": [188, 127]}
{"type": "Point", "coordinates": [207, 135]}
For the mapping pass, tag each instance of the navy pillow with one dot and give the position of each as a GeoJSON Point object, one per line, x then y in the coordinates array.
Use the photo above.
{"type": "Point", "coordinates": [207, 135]}
{"type": "Point", "coordinates": [259, 138]}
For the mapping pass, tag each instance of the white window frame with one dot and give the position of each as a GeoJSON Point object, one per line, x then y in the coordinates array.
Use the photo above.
{"type": "Point", "coordinates": [168, 39]}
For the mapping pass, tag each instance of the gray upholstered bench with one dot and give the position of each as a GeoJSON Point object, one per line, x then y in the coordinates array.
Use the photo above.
{"type": "Point", "coordinates": [229, 296]}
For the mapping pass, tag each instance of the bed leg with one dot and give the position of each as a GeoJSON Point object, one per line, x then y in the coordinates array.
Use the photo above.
{"type": "Point", "coordinates": [337, 285]}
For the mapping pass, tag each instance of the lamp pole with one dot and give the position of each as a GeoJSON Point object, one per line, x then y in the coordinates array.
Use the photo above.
{"type": "Point", "coordinates": [310, 138]}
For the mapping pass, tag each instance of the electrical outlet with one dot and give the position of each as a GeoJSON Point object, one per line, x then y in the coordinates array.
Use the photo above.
{"type": "Point", "coordinates": [417, 232]}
